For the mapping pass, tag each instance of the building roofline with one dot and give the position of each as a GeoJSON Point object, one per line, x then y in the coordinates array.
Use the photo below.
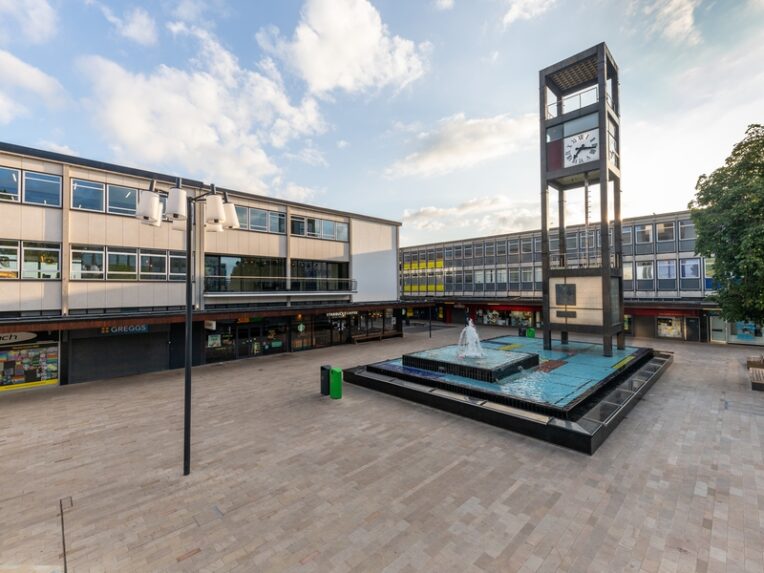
{"type": "Point", "coordinates": [14, 149]}
{"type": "Point", "coordinates": [578, 226]}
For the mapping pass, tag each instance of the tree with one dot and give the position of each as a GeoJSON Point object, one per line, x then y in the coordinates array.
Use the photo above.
{"type": "Point", "coordinates": [728, 212]}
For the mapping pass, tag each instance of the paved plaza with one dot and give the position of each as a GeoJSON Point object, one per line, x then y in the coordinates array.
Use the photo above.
{"type": "Point", "coordinates": [286, 480]}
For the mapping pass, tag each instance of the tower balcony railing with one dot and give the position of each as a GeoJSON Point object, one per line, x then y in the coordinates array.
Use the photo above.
{"type": "Point", "coordinates": [569, 261]}
{"type": "Point", "coordinates": [249, 284]}
{"type": "Point", "coordinates": [577, 101]}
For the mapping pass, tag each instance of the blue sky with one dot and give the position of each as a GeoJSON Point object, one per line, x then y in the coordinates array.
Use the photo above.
{"type": "Point", "coordinates": [422, 111]}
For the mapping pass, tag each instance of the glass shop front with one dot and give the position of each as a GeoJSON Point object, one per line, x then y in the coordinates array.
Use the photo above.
{"type": "Point", "coordinates": [255, 336]}
{"type": "Point", "coordinates": [28, 359]}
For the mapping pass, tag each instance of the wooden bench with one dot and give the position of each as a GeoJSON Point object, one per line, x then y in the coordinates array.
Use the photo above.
{"type": "Point", "coordinates": [373, 336]}
{"type": "Point", "coordinates": [757, 378]}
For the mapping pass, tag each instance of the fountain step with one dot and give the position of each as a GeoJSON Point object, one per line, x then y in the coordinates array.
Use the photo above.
{"type": "Point", "coordinates": [493, 366]}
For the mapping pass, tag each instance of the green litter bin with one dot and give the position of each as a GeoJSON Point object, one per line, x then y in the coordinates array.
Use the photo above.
{"type": "Point", "coordinates": [530, 333]}
{"type": "Point", "coordinates": [335, 384]}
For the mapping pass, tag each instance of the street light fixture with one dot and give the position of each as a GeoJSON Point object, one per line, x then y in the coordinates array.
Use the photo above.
{"type": "Point", "coordinates": [219, 212]}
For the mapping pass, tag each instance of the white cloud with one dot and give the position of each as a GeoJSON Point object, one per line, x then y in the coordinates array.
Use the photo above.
{"type": "Point", "coordinates": [136, 24]}
{"type": "Point", "coordinates": [674, 20]}
{"type": "Point", "coordinates": [56, 147]}
{"type": "Point", "coordinates": [444, 4]}
{"type": "Point", "coordinates": [460, 143]}
{"type": "Point", "coordinates": [526, 10]}
{"type": "Point", "coordinates": [36, 19]}
{"type": "Point", "coordinates": [213, 120]}
{"type": "Point", "coordinates": [342, 144]}
{"type": "Point", "coordinates": [309, 155]}
{"type": "Point", "coordinates": [299, 193]}
{"type": "Point", "coordinates": [22, 80]}
{"type": "Point", "coordinates": [710, 108]}
{"type": "Point", "coordinates": [343, 44]}
{"type": "Point", "coordinates": [479, 216]}
{"type": "Point", "coordinates": [196, 11]}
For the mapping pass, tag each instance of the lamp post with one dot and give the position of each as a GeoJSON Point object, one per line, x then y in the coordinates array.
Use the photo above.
{"type": "Point", "coordinates": [219, 212]}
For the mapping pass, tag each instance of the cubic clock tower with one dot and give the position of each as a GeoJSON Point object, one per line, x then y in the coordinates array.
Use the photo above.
{"type": "Point", "coordinates": [580, 146]}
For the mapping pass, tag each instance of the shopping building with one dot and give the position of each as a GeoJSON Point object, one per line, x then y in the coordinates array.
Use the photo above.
{"type": "Point", "coordinates": [497, 279]}
{"type": "Point", "coordinates": [88, 292]}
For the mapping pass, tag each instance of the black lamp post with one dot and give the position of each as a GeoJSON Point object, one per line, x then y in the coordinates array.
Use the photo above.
{"type": "Point", "coordinates": [180, 206]}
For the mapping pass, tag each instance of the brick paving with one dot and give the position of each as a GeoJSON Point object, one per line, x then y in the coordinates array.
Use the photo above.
{"type": "Point", "coordinates": [285, 480]}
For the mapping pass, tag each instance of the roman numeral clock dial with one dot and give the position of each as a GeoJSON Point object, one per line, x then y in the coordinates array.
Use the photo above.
{"type": "Point", "coordinates": [581, 148]}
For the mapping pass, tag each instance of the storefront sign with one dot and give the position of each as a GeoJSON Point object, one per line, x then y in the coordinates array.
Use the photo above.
{"type": "Point", "coordinates": [16, 337]}
{"type": "Point", "coordinates": [210, 325]}
{"type": "Point", "coordinates": [129, 329]}
{"type": "Point", "coordinates": [341, 314]}
{"type": "Point", "coordinates": [214, 341]}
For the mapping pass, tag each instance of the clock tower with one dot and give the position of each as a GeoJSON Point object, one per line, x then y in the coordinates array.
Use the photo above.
{"type": "Point", "coordinates": [580, 146]}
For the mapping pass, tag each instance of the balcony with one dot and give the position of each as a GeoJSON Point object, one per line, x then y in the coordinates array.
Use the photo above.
{"type": "Point", "coordinates": [249, 286]}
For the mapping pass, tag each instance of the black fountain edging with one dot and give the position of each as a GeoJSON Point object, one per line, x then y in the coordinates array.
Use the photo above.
{"type": "Point", "coordinates": [569, 411]}
{"type": "Point", "coordinates": [586, 434]}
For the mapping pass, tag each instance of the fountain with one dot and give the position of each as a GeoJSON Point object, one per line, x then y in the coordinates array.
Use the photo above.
{"type": "Point", "coordinates": [469, 342]}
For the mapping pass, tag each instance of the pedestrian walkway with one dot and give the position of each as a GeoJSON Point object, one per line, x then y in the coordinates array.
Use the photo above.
{"type": "Point", "coordinates": [286, 480]}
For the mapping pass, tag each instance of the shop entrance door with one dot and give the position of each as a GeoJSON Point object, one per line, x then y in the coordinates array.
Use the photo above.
{"type": "Point", "coordinates": [340, 331]}
{"type": "Point", "coordinates": [692, 329]}
{"type": "Point", "coordinates": [718, 329]}
{"type": "Point", "coordinates": [246, 341]}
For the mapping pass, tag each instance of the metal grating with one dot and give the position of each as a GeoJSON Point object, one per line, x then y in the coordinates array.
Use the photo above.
{"type": "Point", "coordinates": [580, 73]}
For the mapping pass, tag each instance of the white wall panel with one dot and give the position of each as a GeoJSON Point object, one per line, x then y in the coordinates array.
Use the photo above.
{"type": "Point", "coordinates": [374, 260]}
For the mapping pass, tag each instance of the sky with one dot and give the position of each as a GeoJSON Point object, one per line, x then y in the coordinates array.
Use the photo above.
{"type": "Point", "coordinates": [424, 111]}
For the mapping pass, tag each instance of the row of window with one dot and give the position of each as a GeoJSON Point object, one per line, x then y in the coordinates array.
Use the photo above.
{"type": "Point", "coordinates": [44, 189]}
{"type": "Point", "coordinates": [666, 269]}
{"type": "Point", "coordinates": [319, 228]}
{"type": "Point", "coordinates": [643, 233]}
{"type": "Point", "coordinates": [30, 260]}
{"type": "Point", "coordinates": [30, 187]}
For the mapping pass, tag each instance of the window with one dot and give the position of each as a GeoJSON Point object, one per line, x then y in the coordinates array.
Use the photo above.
{"type": "Point", "coordinates": [537, 244]}
{"type": "Point", "coordinates": [709, 267]}
{"type": "Point", "coordinates": [501, 248]}
{"type": "Point", "coordinates": [42, 189]}
{"type": "Point", "coordinates": [626, 236]}
{"type": "Point", "coordinates": [490, 249]}
{"type": "Point", "coordinates": [479, 277]}
{"type": "Point", "coordinates": [645, 271]}
{"type": "Point", "coordinates": [686, 230]}
{"type": "Point", "coordinates": [87, 262]}
{"type": "Point", "coordinates": [666, 270]}
{"type": "Point", "coordinates": [87, 195]}
{"type": "Point", "coordinates": [527, 245]}
{"type": "Point", "coordinates": [468, 277]}
{"type": "Point", "coordinates": [457, 252]}
{"type": "Point", "coordinates": [628, 272]}
{"type": "Point", "coordinates": [571, 242]}
{"type": "Point", "coordinates": [554, 242]}
{"type": "Point", "coordinates": [258, 220]}
{"type": "Point", "coordinates": [449, 253]}
{"type": "Point", "coordinates": [467, 251]}
{"type": "Point", "coordinates": [121, 265]}
{"type": "Point", "coordinates": [276, 222]}
{"type": "Point", "coordinates": [527, 274]}
{"type": "Point", "coordinates": [537, 274]}
{"type": "Point", "coordinates": [122, 200]}
{"type": "Point", "coordinates": [178, 265]}
{"type": "Point", "coordinates": [478, 250]}
{"type": "Point", "coordinates": [501, 275]}
{"type": "Point", "coordinates": [643, 233]}
{"type": "Point", "coordinates": [314, 227]}
{"type": "Point", "coordinates": [41, 261]}
{"type": "Point", "coordinates": [342, 232]}
{"type": "Point", "coordinates": [9, 184]}
{"type": "Point", "coordinates": [664, 231]}
{"type": "Point", "coordinates": [690, 268]}
{"type": "Point", "coordinates": [514, 275]}
{"type": "Point", "coordinates": [153, 265]}
{"type": "Point", "coordinates": [9, 260]}
{"type": "Point", "coordinates": [242, 213]}
{"type": "Point", "coordinates": [298, 226]}
{"type": "Point", "coordinates": [580, 124]}
{"type": "Point", "coordinates": [514, 246]}
{"type": "Point", "coordinates": [327, 229]}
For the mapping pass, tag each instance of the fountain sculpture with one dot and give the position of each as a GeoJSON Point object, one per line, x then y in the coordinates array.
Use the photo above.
{"type": "Point", "coordinates": [469, 342]}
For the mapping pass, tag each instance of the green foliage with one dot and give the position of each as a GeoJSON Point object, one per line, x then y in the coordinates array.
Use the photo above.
{"type": "Point", "coordinates": [728, 211]}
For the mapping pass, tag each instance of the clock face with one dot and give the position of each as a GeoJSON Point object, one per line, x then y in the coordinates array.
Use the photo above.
{"type": "Point", "coordinates": [582, 148]}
